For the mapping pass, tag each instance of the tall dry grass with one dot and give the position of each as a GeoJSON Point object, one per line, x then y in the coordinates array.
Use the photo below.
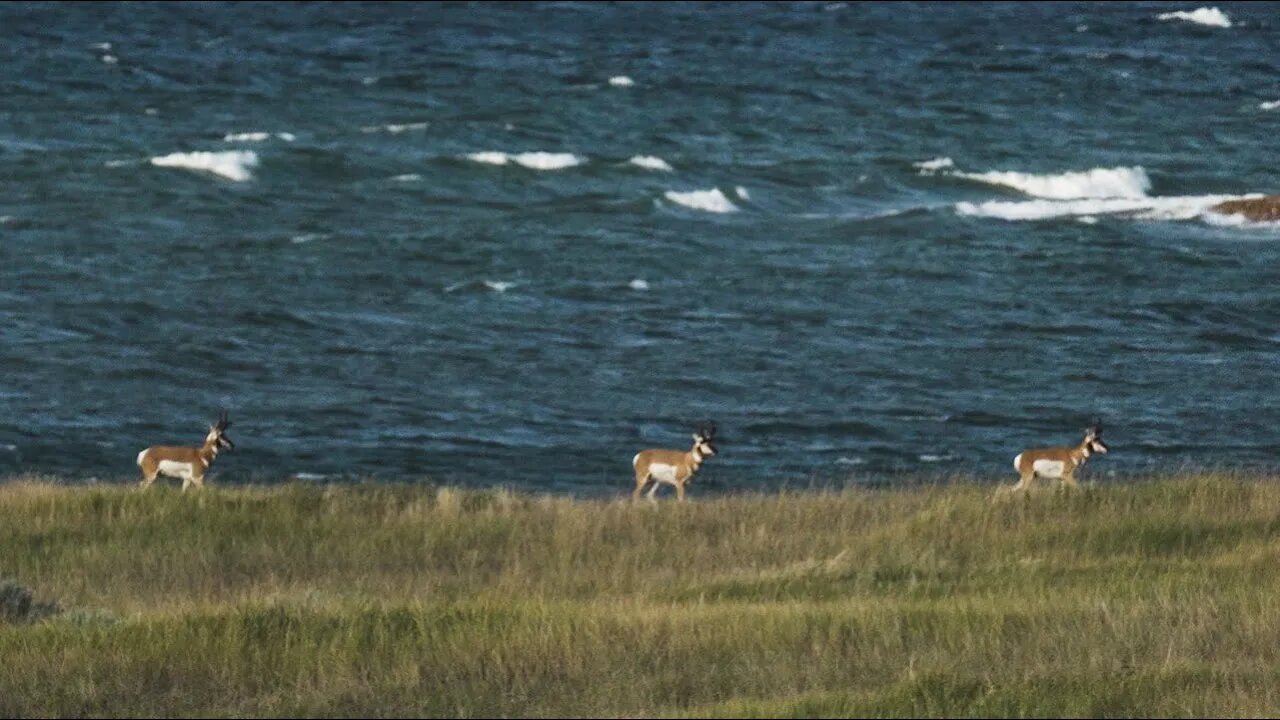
{"type": "Point", "coordinates": [1151, 598]}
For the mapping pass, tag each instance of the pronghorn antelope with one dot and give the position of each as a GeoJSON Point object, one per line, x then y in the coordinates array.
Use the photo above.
{"type": "Point", "coordinates": [673, 467]}
{"type": "Point", "coordinates": [188, 463]}
{"type": "Point", "coordinates": [1059, 462]}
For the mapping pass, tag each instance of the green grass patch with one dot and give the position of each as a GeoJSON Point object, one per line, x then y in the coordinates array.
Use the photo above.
{"type": "Point", "coordinates": [1151, 598]}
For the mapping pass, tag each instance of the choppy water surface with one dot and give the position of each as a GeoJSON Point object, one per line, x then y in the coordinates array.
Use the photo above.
{"type": "Point", "coordinates": [494, 244]}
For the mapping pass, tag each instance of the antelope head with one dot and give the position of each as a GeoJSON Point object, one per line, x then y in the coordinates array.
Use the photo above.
{"type": "Point", "coordinates": [704, 440]}
{"type": "Point", "coordinates": [1093, 437]}
{"type": "Point", "coordinates": [217, 437]}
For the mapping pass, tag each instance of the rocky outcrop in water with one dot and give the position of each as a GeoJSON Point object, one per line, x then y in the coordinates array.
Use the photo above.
{"type": "Point", "coordinates": [1263, 209]}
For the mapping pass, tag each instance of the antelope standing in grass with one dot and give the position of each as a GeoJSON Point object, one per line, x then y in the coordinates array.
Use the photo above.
{"type": "Point", "coordinates": [673, 467]}
{"type": "Point", "coordinates": [1059, 462]}
{"type": "Point", "coordinates": [188, 463]}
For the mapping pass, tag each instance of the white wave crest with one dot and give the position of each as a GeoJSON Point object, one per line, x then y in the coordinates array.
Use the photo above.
{"type": "Point", "coordinates": [929, 167]}
{"type": "Point", "coordinates": [258, 137]}
{"type": "Point", "coordinates": [1188, 207]}
{"type": "Point", "coordinates": [232, 164]}
{"type": "Point", "coordinates": [490, 157]}
{"type": "Point", "coordinates": [394, 128]}
{"type": "Point", "coordinates": [499, 285]}
{"type": "Point", "coordinates": [638, 284]}
{"type": "Point", "coordinates": [742, 193]}
{"type": "Point", "coordinates": [546, 160]}
{"type": "Point", "coordinates": [246, 137]}
{"type": "Point", "coordinates": [651, 162]}
{"type": "Point", "coordinates": [1270, 105]}
{"type": "Point", "coordinates": [407, 177]}
{"type": "Point", "coordinates": [110, 59]}
{"type": "Point", "coordinates": [1120, 182]}
{"type": "Point", "coordinates": [621, 81]}
{"type": "Point", "coordinates": [531, 160]}
{"type": "Point", "coordinates": [708, 200]}
{"type": "Point", "coordinates": [1200, 16]}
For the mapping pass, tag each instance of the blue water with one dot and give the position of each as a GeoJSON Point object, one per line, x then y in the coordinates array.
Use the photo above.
{"type": "Point", "coordinates": [368, 299]}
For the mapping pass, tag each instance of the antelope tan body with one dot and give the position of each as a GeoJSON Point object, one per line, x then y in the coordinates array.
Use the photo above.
{"type": "Point", "coordinates": [672, 467]}
{"type": "Point", "coordinates": [188, 463]}
{"type": "Point", "coordinates": [1059, 462]}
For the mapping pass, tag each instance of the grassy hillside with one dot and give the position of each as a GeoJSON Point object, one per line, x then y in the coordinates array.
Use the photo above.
{"type": "Point", "coordinates": [1151, 598]}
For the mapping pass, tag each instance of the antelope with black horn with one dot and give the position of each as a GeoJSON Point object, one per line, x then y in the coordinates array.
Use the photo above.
{"type": "Point", "coordinates": [1059, 462]}
{"type": "Point", "coordinates": [188, 463]}
{"type": "Point", "coordinates": [673, 467]}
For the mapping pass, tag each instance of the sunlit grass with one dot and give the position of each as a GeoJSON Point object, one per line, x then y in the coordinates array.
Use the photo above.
{"type": "Point", "coordinates": [1150, 598]}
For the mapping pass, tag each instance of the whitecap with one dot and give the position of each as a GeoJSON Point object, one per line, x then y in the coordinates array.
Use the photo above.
{"type": "Point", "coordinates": [1269, 105]}
{"type": "Point", "coordinates": [1118, 182]}
{"type": "Point", "coordinates": [621, 81]}
{"type": "Point", "coordinates": [101, 46]}
{"type": "Point", "coordinates": [498, 286]}
{"type": "Point", "coordinates": [110, 59]}
{"type": "Point", "coordinates": [709, 200]}
{"type": "Point", "coordinates": [231, 164]}
{"type": "Point", "coordinates": [651, 162]}
{"type": "Point", "coordinates": [638, 284]}
{"type": "Point", "coordinates": [7, 446]}
{"type": "Point", "coordinates": [490, 157]}
{"type": "Point", "coordinates": [532, 160]}
{"type": "Point", "coordinates": [546, 160]}
{"type": "Point", "coordinates": [742, 193]}
{"type": "Point", "coordinates": [306, 476]}
{"type": "Point", "coordinates": [933, 458]}
{"type": "Point", "coordinates": [395, 128]}
{"type": "Point", "coordinates": [152, 111]}
{"type": "Point", "coordinates": [408, 177]}
{"type": "Point", "coordinates": [246, 137]}
{"type": "Point", "coordinates": [842, 460]}
{"type": "Point", "coordinates": [1212, 17]}
{"type": "Point", "coordinates": [1087, 220]}
{"type": "Point", "coordinates": [258, 137]}
{"type": "Point", "coordinates": [929, 167]}
{"type": "Point", "coordinates": [306, 238]}
{"type": "Point", "coordinates": [1187, 207]}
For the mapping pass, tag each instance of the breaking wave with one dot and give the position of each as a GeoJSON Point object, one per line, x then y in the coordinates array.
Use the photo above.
{"type": "Point", "coordinates": [531, 160]}
{"type": "Point", "coordinates": [1120, 182]}
{"type": "Point", "coordinates": [712, 200]}
{"type": "Point", "coordinates": [1212, 17]}
{"type": "Point", "coordinates": [231, 164]}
